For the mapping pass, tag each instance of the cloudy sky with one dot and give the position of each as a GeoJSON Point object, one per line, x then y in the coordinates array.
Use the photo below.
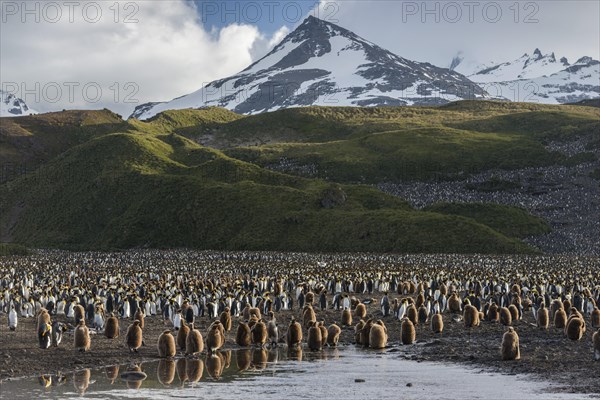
{"type": "Point", "coordinates": [95, 54]}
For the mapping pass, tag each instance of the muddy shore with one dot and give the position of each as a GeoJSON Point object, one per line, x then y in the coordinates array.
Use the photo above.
{"type": "Point", "coordinates": [546, 355]}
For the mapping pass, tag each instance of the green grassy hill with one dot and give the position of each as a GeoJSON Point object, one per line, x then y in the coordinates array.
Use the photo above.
{"type": "Point", "coordinates": [206, 178]}
{"type": "Point", "coordinates": [37, 139]}
{"type": "Point", "coordinates": [137, 189]}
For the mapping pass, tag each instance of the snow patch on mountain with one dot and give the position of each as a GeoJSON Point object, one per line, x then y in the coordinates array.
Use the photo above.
{"type": "Point", "coordinates": [12, 106]}
{"type": "Point", "coordinates": [525, 67]}
{"type": "Point", "coordinates": [537, 78]}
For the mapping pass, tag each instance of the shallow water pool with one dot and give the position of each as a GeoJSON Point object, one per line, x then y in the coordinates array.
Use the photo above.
{"type": "Point", "coordinates": [346, 373]}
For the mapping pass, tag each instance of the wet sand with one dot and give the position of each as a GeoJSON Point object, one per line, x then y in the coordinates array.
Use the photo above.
{"type": "Point", "coordinates": [547, 355]}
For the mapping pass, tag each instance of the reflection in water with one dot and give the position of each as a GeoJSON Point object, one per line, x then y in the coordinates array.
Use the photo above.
{"type": "Point", "coordinates": [134, 376]}
{"type": "Point", "coordinates": [181, 373]}
{"type": "Point", "coordinates": [295, 353]}
{"type": "Point", "coordinates": [244, 373]}
{"type": "Point", "coordinates": [214, 365]}
{"type": "Point", "coordinates": [81, 381]}
{"type": "Point", "coordinates": [194, 368]}
{"type": "Point", "coordinates": [242, 359]}
{"type": "Point", "coordinates": [165, 373]}
{"type": "Point", "coordinates": [112, 373]}
{"type": "Point", "coordinates": [259, 359]}
{"type": "Point", "coordinates": [227, 355]}
{"type": "Point", "coordinates": [273, 356]}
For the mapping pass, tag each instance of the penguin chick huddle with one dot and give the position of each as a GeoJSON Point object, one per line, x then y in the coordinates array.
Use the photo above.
{"type": "Point", "coordinates": [184, 303]}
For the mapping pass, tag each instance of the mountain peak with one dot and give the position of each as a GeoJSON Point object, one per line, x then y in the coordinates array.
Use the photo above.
{"type": "Point", "coordinates": [12, 106]}
{"type": "Point", "coordinates": [537, 54]}
{"type": "Point", "coordinates": [321, 63]}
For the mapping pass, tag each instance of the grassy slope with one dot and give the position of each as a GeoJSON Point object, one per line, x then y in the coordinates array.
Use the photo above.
{"type": "Point", "coordinates": [510, 221]}
{"type": "Point", "coordinates": [149, 186]}
{"type": "Point", "coordinates": [374, 145]}
{"type": "Point", "coordinates": [135, 189]}
{"type": "Point", "coordinates": [37, 139]}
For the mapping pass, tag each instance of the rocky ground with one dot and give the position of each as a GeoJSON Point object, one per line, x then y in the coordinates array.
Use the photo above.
{"type": "Point", "coordinates": [548, 355]}
{"type": "Point", "coordinates": [568, 197]}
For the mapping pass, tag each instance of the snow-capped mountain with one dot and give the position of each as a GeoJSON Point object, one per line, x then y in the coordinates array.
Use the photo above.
{"type": "Point", "coordinates": [320, 63]}
{"type": "Point", "coordinates": [524, 67]}
{"type": "Point", "coordinates": [537, 78]}
{"type": "Point", "coordinates": [579, 81]}
{"type": "Point", "coordinates": [12, 106]}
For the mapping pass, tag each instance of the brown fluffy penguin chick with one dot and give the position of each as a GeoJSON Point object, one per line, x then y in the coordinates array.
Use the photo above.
{"type": "Point", "coordinates": [333, 334]}
{"type": "Point", "coordinates": [560, 318]}
{"type": "Point", "coordinates": [454, 303]}
{"type": "Point", "coordinates": [134, 336]}
{"type": "Point", "coordinates": [309, 298]}
{"type": "Point", "coordinates": [543, 318]}
{"type": "Point", "coordinates": [567, 306]}
{"type": "Point", "coordinates": [407, 332]}
{"type": "Point", "coordinates": [360, 311]}
{"type": "Point", "coordinates": [259, 333]}
{"type": "Point", "coordinates": [82, 337]}
{"type": "Point", "coordinates": [346, 317]}
{"type": "Point", "coordinates": [575, 328]}
{"type": "Point", "coordinates": [595, 318]}
{"type": "Point", "coordinates": [225, 319]}
{"type": "Point", "coordinates": [43, 319]}
{"type": "Point", "coordinates": [493, 314]}
{"type": "Point", "coordinates": [182, 335]}
{"type": "Point", "coordinates": [246, 312]}
{"type": "Point", "coordinates": [194, 343]}
{"type": "Point", "coordinates": [314, 336]}
{"type": "Point", "coordinates": [166, 345]}
{"type": "Point", "coordinates": [420, 300]}
{"type": "Point", "coordinates": [413, 314]}
{"type": "Point", "coordinates": [242, 335]}
{"type": "Point", "coordinates": [324, 333]}
{"type": "Point", "coordinates": [357, 331]}
{"type": "Point", "coordinates": [554, 307]}
{"type": "Point", "coordinates": [308, 315]}
{"type": "Point", "coordinates": [514, 312]}
{"type": "Point", "coordinates": [505, 316]}
{"type": "Point", "coordinates": [255, 312]}
{"type": "Point", "coordinates": [78, 313]}
{"type": "Point", "coordinates": [437, 323]}
{"type": "Point", "coordinates": [377, 337]}
{"type": "Point", "coordinates": [471, 316]}
{"type": "Point", "coordinates": [596, 341]}
{"type": "Point", "coordinates": [423, 315]}
{"type": "Point", "coordinates": [139, 316]}
{"type": "Point", "coordinates": [510, 345]}
{"type": "Point", "coordinates": [111, 330]}
{"type": "Point", "coordinates": [215, 338]}
{"type": "Point", "coordinates": [364, 333]}
{"type": "Point", "coordinates": [294, 334]}
{"type": "Point", "coordinates": [575, 315]}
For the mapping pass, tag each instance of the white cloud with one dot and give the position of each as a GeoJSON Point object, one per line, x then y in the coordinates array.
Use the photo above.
{"type": "Point", "coordinates": [166, 54]}
{"type": "Point", "coordinates": [264, 44]}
